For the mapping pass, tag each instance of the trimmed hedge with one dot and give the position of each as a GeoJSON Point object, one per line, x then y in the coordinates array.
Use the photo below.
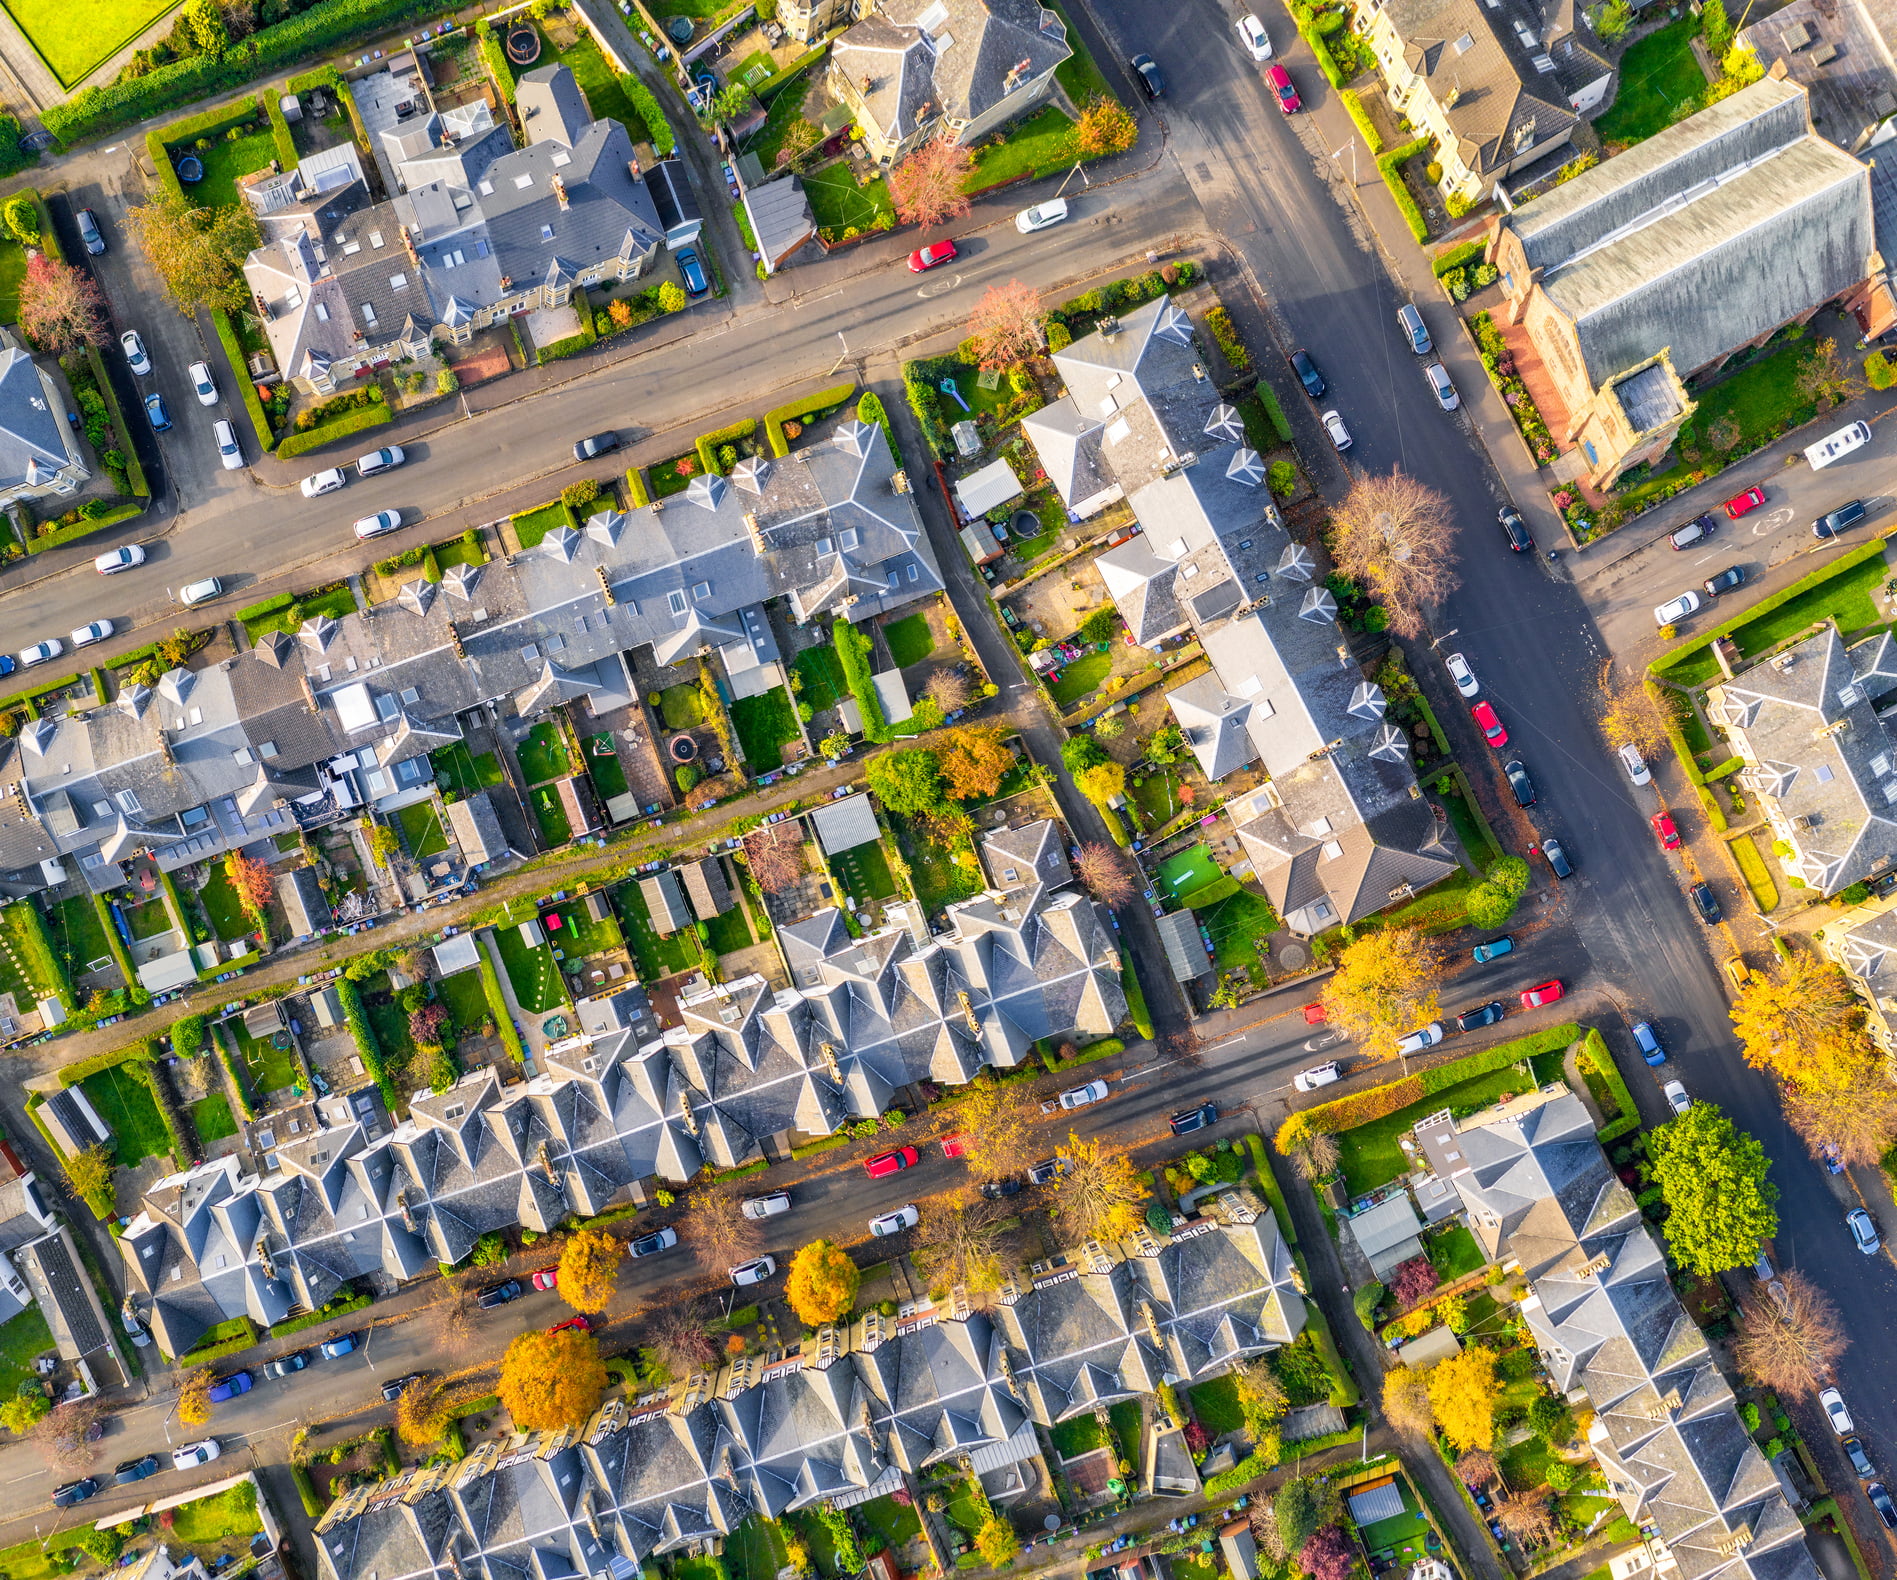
{"type": "Point", "coordinates": [707, 443]}
{"type": "Point", "coordinates": [312, 1319]}
{"type": "Point", "coordinates": [240, 371]}
{"type": "Point", "coordinates": [324, 433]}
{"type": "Point", "coordinates": [646, 102]}
{"type": "Point", "coordinates": [1370, 134]}
{"type": "Point", "coordinates": [918, 385]}
{"type": "Point", "coordinates": [83, 529]}
{"type": "Point", "coordinates": [1459, 256]}
{"type": "Point", "coordinates": [1305, 16]}
{"type": "Point", "coordinates": [270, 605]}
{"type": "Point", "coordinates": [1594, 1053]}
{"type": "Point", "coordinates": [83, 1069]}
{"type": "Point", "coordinates": [775, 84]}
{"type": "Point", "coordinates": [366, 1045]}
{"type": "Point", "coordinates": [160, 140]}
{"type": "Point", "coordinates": [1268, 398]}
{"type": "Point", "coordinates": [287, 158]}
{"type": "Point", "coordinates": [1390, 166]}
{"type": "Point", "coordinates": [637, 494]}
{"type": "Point", "coordinates": [1268, 1183]}
{"type": "Point", "coordinates": [1135, 998]}
{"type": "Point", "coordinates": [870, 409]}
{"type": "Point", "coordinates": [234, 1068]}
{"type": "Point", "coordinates": [45, 958]}
{"type": "Point", "coordinates": [774, 420]}
{"type": "Point", "coordinates": [306, 1489]}
{"type": "Point", "coordinates": [121, 956]}
{"type": "Point", "coordinates": [223, 1347]}
{"type": "Point", "coordinates": [187, 1036]}
{"type": "Point", "coordinates": [134, 468]}
{"type": "Point", "coordinates": [853, 649]}
{"type": "Point", "coordinates": [497, 1006]}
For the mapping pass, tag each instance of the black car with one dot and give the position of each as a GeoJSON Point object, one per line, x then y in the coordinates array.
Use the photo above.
{"type": "Point", "coordinates": [691, 272]}
{"type": "Point", "coordinates": [1516, 529]}
{"type": "Point", "coordinates": [89, 232]}
{"type": "Point", "coordinates": [285, 1365]}
{"type": "Point", "coordinates": [1860, 1461]}
{"type": "Point", "coordinates": [1833, 522]}
{"type": "Point", "coordinates": [1557, 857]}
{"type": "Point", "coordinates": [1011, 1185]}
{"type": "Point", "coordinates": [1733, 576]}
{"type": "Point", "coordinates": [1705, 902]}
{"type": "Point", "coordinates": [135, 1470]}
{"type": "Point", "coordinates": [393, 1388]}
{"type": "Point", "coordinates": [1188, 1120]}
{"type": "Point", "coordinates": [1475, 1019]}
{"type": "Point", "coordinates": [498, 1294]}
{"type": "Point", "coordinates": [596, 444]}
{"type": "Point", "coordinates": [1880, 1501]}
{"type": "Point", "coordinates": [1519, 782]}
{"type": "Point", "coordinates": [75, 1492]}
{"type": "Point", "coordinates": [1151, 83]}
{"type": "Point", "coordinates": [1308, 376]}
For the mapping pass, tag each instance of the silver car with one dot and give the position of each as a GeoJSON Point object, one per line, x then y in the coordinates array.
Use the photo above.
{"type": "Point", "coordinates": [895, 1222]}
{"type": "Point", "coordinates": [1677, 609]}
{"type": "Point", "coordinates": [203, 384]}
{"type": "Point", "coordinates": [384, 460]}
{"type": "Point", "coordinates": [134, 350]}
{"type": "Point", "coordinates": [200, 592]}
{"type": "Point", "coordinates": [320, 483]}
{"type": "Point", "coordinates": [766, 1206]}
{"type": "Point", "coordinates": [1042, 215]}
{"type": "Point", "coordinates": [1333, 421]}
{"type": "Point", "coordinates": [123, 558]}
{"type": "Point", "coordinates": [97, 631]}
{"type": "Point", "coordinates": [1442, 386]}
{"type": "Point", "coordinates": [382, 521]}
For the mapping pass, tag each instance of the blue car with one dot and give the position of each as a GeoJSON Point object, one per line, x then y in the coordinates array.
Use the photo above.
{"type": "Point", "coordinates": [1494, 949]}
{"type": "Point", "coordinates": [155, 409]}
{"type": "Point", "coordinates": [230, 1387]}
{"type": "Point", "coordinates": [1648, 1042]}
{"type": "Point", "coordinates": [692, 272]}
{"type": "Point", "coordinates": [343, 1344]}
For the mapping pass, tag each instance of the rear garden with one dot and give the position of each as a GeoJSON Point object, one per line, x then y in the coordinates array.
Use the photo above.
{"type": "Point", "coordinates": [765, 725]}
{"type": "Point", "coordinates": [268, 1063]}
{"type": "Point", "coordinates": [531, 970]}
{"type": "Point", "coordinates": [422, 828]}
{"type": "Point", "coordinates": [941, 871]}
{"type": "Point", "coordinates": [653, 956]}
{"type": "Point", "coordinates": [459, 770]}
{"type": "Point", "coordinates": [863, 874]}
{"type": "Point", "coordinates": [222, 908]}
{"type": "Point", "coordinates": [543, 754]}
{"type": "Point", "coordinates": [125, 1103]}
{"type": "Point", "coordinates": [29, 964]}
{"type": "Point", "coordinates": [1660, 81]}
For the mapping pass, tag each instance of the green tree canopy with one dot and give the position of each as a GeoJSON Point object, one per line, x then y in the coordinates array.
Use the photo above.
{"type": "Point", "coordinates": [907, 781]}
{"type": "Point", "coordinates": [1713, 1176]}
{"type": "Point", "coordinates": [1081, 752]}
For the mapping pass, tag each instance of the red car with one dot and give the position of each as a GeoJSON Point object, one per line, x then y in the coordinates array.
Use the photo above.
{"type": "Point", "coordinates": [1739, 504]}
{"type": "Point", "coordinates": [547, 1278]}
{"type": "Point", "coordinates": [578, 1323]}
{"type": "Point", "coordinates": [1547, 993]}
{"type": "Point", "coordinates": [1279, 81]}
{"type": "Point", "coordinates": [928, 257]}
{"type": "Point", "coordinates": [885, 1164]}
{"type": "Point", "coordinates": [1315, 1014]}
{"type": "Point", "coordinates": [1669, 835]}
{"type": "Point", "coordinates": [1492, 730]}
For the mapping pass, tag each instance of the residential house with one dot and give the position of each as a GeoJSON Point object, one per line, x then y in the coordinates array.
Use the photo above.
{"type": "Point", "coordinates": [1501, 87]}
{"type": "Point", "coordinates": [1865, 945]}
{"type": "Point", "coordinates": [914, 69]}
{"type": "Point", "coordinates": [1704, 240]}
{"type": "Point", "coordinates": [1820, 758]}
{"type": "Point", "coordinates": [39, 452]}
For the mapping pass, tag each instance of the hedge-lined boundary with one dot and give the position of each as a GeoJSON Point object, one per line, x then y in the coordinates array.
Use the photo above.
{"type": "Point", "coordinates": [160, 140]}
{"type": "Point", "coordinates": [1305, 16]}
{"type": "Point", "coordinates": [134, 468]}
{"type": "Point", "coordinates": [223, 1347]}
{"type": "Point", "coordinates": [234, 1068]}
{"type": "Point", "coordinates": [1136, 1008]}
{"type": "Point", "coordinates": [773, 85]}
{"type": "Point", "coordinates": [85, 528]}
{"type": "Point", "coordinates": [1457, 257]}
{"type": "Point", "coordinates": [774, 420]}
{"type": "Point", "coordinates": [1390, 165]}
{"type": "Point", "coordinates": [853, 648]}
{"type": "Point", "coordinates": [707, 443]}
{"type": "Point", "coordinates": [240, 370]}
{"type": "Point", "coordinates": [103, 1207]}
{"type": "Point", "coordinates": [325, 433]}
{"type": "Point", "coordinates": [84, 1069]}
{"type": "Point", "coordinates": [646, 102]}
{"type": "Point", "coordinates": [870, 409]}
{"type": "Point", "coordinates": [121, 956]}
{"type": "Point", "coordinates": [1268, 1183]}
{"type": "Point", "coordinates": [497, 1007]}
{"type": "Point", "coordinates": [1371, 136]}
{"type": "Point", "coordinates": [638, 496]}
{"type": "Point", "coordinates": [366, 1045]}
{"type": "Point", "coordinates": [313, 1319]}
{"type": "Point", "coordinates": [1595, 1053]}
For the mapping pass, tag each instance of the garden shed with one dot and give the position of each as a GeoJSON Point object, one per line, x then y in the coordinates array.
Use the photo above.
{"type": "Point", "coordinates": [989, 489]}
{"type": "Point", "coordinates": [1387, 1233]}
{"type": "Point", "coordinates": [843, 825]}
{"type": "Point", "coordinates": [476, 829]}
{"type": "Point", "coordinates": [1185, 949]}
{"type": "Point", "coordinates": [665, 903]}
{"type": "Point", "coordinates": [780, 219]}
{"type": "Point", "coordinates": [459, 953]}
{"type": "Point", "coordinates": [1438, 1344]}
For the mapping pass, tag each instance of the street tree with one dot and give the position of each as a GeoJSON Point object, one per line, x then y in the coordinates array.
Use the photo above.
{"type": "Point", "coordinates": [1395, 536]}
{"type": "Point", "coordinates": [589, 1268]}
{"type": "Point", "coordinates": [1856, 1124]}
{"type": "Point", "coordinates": [454, 1314]}
{"type": "Point", "coordinates": [722, 1236]}
{"type": "Point", "coordinates": [1104, 127]}
{"type": "Point", "coordinates": [1099, 1196]}
{"type": "Point", "coordinates": [907, 780]}
{"type": "Point", "coordinates": [1527, 1516]}
{"type": "Point", "coordinates": [1104, 871]}
{"type": "Point", "coordinates": [62, 1434]}
{"type": "Point", "coordinates": [1080, 752]}
{"type": "Point", "coordinates": [680, 1339]}
{"type": "Point", "coordinates": [1804, 1024]}
{"type": "Point", "coordinates": [428, 1404]}
{"type": "Point", "coordinates": [1788, 1342]}
{"type": "Point", "coordinates": [775, 855]}
{"type": "Point", "coordinates": [1406, 1400]}
{"type": "Point", "coordinates": [194, 1397]}
{"type": "Point", "coordinates": [996, 1127]}
{"type": "Point", "coordinates": [958, 1242]}
{"type": "Point", "coordinates": [974, 759]}
{"type": "Point", "coordinates": [198, 252]}
{"type": "Point", "coordinates": [61, 309]}
{"type": "Point", "coordinates": [552, 1380]}
{"type": "Point", "coordinates": [1005, 327]}
{"type": "Point", "coordinates": [949, 689]}
{"type": "Point", "coordinates": [1631, 718]}
{"type": "Point", "coordinates": [1463, 1392]}
{"type": "Point", "coordinates": [1385, 986]}
{"type": "Point", "coordinates": [1713, 1177]}
{"type": "Point", "coordinates": [926, 188]}
{"type": "Point", "coordinates": [822, 1283]}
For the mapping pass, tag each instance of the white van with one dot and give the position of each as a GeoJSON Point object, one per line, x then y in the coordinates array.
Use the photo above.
{"type": "Point", "coordinates": [1842, 443]}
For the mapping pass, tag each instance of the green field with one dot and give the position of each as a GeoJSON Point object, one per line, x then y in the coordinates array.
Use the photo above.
{"type": "Point", "coordinates": [863, 874]}
{"type": "Point", "coordinates": [78, 935]}
{"type": "Point", "coordinates": [75, 39]}
{"type": "Point", "coordinates": [604, 96]}
{"type": "Point", "coordinates": [466, 998]}
{"type": "Point", "coordinates": [228, 918]}
{"type": "Point", "coordinates": [1215, 1403]}
{"type": "Point", "coordinates": [822, 674]}
{"type": "Point", "coordinates": [531, 972]}
{"type": "Point", "coordinates": [579, 935]}
{"type": "Point", "coordinates": [894, 1522]}
{"type": "Point", "coordinates": [221, 1517]}
{"type": "Point", "coordinates": [130, 1112]}
{"type": "Point", "coordinates": [766, 724]}
{"type": "Point", "coordinates": [654, 956]}
{"type": "Point", "coordinates": [1454, 1252]}
{"type": "Point", "coordinates": [422, 828]}
{"type": "Point", "coordinates": [1660, 81]}
{"type": "Point", "coordinates": [212, 1116]}
{"type": "Point", "coordinates": [543, 754]}
{"type": "Point", "coordinates": [755, 1550]}
{"type": "Point", "coordinates": [456, 768]}
{"type": "Point", "coordinates": [910, 640]}
{"type": "Point", "coordinates": [147, 920]}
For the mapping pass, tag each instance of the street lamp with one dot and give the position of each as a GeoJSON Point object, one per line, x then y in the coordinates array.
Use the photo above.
{"type": "Point", "coordinates": [1338, 153]}
{"type": "Point", "coordinates": [1076, 171]}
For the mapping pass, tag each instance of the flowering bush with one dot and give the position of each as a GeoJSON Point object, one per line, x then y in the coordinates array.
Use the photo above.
{"type": "Point", "coordinates": [1562, 499]}
{"type": "Point", "coordinates": [1413, 1282]}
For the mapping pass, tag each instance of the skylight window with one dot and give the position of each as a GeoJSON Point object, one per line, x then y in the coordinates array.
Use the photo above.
{"type": "Point", "coordinates": [321, 311]}
{"type": "Point", "coordinates": [375, 239]}
{"type": "Point", "coordinates": [1824, 773]}
{"type": "Point", "coordinates": [524, 181]}
{"type": "Point", "coordinates": [675, 601]}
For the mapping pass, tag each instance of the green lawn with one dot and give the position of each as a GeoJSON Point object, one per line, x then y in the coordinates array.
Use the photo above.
{"type": "Point", "coordinates": [654, 956]}
{"type": "Point", "coordinates": [226, 913]}
{"type": "Point", "coordinates": [1077, 73]}
{"type": "Point", "coordinates": [422, 828]}
{"type": "Point", "coordinates": [1240, 926]}
{"type": "Point", "coordinates": [784, 108]}
{"type": "Point", "coordinates": [1189, 870]}
{"type": "Point", "coordinates": [910, 640]}
{"type": "Point", "coordinates": [578, 935]}
{"type": "Point", "coordinates": [212, 1116]}
{"type": "Point", "coordinates": [728, 932]}
{"type": "Point", "coordinates": [130, 1112]}
{"type": "Point", "coordinates": [20, 937]}
{"type": "Point", "coordinates": [1045, 504]}
{"type": "Point", "coordinates": [543, 755]}
{"type": "Point", "coordinates": [823, 676]}
{"type": "Point", "coordinates": [12, 272]}
{"type": "Point", "coordinates": [78, 937]}
{"type": "Point", "coordinates": [1660, 81]}
{"type": "Point", "coordinates": [465, 997]}
{"type": "Point", "coordinates": [939, 878]}
{"type": "Point", "coordinates": [147, 920]}
{"type": "Point", "coordinates": [766, 724]}
{"type": "Point", "coordinates": [551, 817]}
{"type": "Point", "coordinates": [335, 600]}
{"type": "Point", "coordinates": [531, 972]}
{"type": "Point", "coordinates": [839, 202]}
{"type": "Point", "coordinates": [604, 96]}
{"type": "Point", "coordinates": [1157, 796]}
{"type": "Point", "coordinates": [530, 526]}
{"type": "Point", "coordinates": [1475, 839]}
{"type": "Point", "coordinates": [1369, 1153]}
{"type": "Point", "coordinates": [1038, 145]}
{"type": "Point", "coordinates": [1081, 679]}
{"type": "Point", "coordinates": [682, 706]}
{"type": "Point", "coordinates": [864, 874]}
{"type": "Point", "coordinates": [1125, 1417]}
{"type": "Point", "coordinates": [1454, 1252]}
{"type": "Point", "coordinates": [1215, 1403]}
{"type": "Point", "coordinates": [224, 1515]}
{"type": "Point", "coordinates": [755, 1550]}
{"type": "Point", "coordinates": [894, 1522]}
{"type": "Point", "coordinates": [1077, 1435]}
{"type": "Point", "coordinates": [74, 39]}
{"type": "Point", "coordinates": [269, 1067]}
{"type": "Point", "coordinates": [21, 1339]}
{"type": "Point", "coordinates": [603, 765]}
{"type": "Point", "coordinates": [458, 769]}
{"type": "Point", "coordinates": [225, 161]}
{"type": "Point", "coordinates": [965, 1511]}
{"type": "Point", "coordinates": [1847, 598]}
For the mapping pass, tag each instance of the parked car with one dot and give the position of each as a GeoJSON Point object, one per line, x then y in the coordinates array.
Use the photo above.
{"type": "Point", "coordinates": [41, 652]}
{"type": "Point", "coordinates": [1516, 530]}
{"type": "Point", "coordinates": [134, 350]}
{"type": "Point", "coordinates": [1423, 1037]}
{"type": "Point", "coordinates": [1442, 386]}
{"type": "Point", "coordinates": [1048, 1170]}
{"type": "Point", "coordinates": [1833, 522]}
{"type": "Point", "coordinates": [1081, 1096]}
{"type": "Point", "coordinates": [334, 1349]}
{"type": "Point", "coordinates": [387, 459]}
{"type": "Point", "coordinates": [1334, 426]}
{"type": "Point", "coordinates": [1697, 530]}
{"type": "Point", "coordinates": [156, 414]}
{"type": "Point", "coordinates": [230, 453]}
{"type": "Point", "coordinates": [1409, 319]}
{"type": "Point", "coordinates": [1860, 1461]}
{"type": "Point", "coordinates": [286, 1365]}
{"type": "Point", "coordinates": [1519, 782]}
{"type": "Point", "coordinates": [1042, 215]}
{"type": "Point", "coordinates": [122, 558]}
{"type": "Point", "coordinates": [1863, 1231]}
{"type": "Point", "coordinates": [1284, 90]}
{"type": "Point", "coordinates": [1308, 375]}
{"type": "Point", "coordinates": [194, 593]}
{"type": "Point", "coordinates": [1462, 674]}
{"type": "Point", "coordinates": [932, 256]}
{"type": "Point", "coordinates": [580, 1323]}
{"type": "Point", "coordinates": [1833, 1404]}
{"type": "Point", "coordinates": [754, 1271]}
{"type": "Point", "coordinates": [1146, 74]}
{"type": "Point", "coordinates": [130, 1470]}
{"type": "Point", "coordinates": [382, 521]}
{"type": "Point", "coordinates": [64, 1497]}
{"type": "Point", "coordinates": [1635, 764]}
{"type": "Point", "coordinates": [1476, 1019]}
{"type": "Point", "coordinates": [1674, 610]}
{"type": "Point", "coordinates": [1252, 34]}
{"type": "Point", "coordinates": [655, 1242]}
{"type": "Point", "coordinates": [1557, 856]}
{"type": "Point", "coordinates": [1739, 504]}
{"type": "Point", "coordinates": [895, 1222]}
{"type": "Point", "coordinates": [324, 482]}
{"type": "Point", "coordinates": [766, 1206]}
{"type": "Point", "coordinates": [202, 384]}
{"type": "Point", "coordinates": [1733, 576]}
{"type": "Point", "coordinates": [594, 445]}
{"type": "Point", "coordinates": [1318, 1075]}
{"type": "Point", "coordinates": [1880, 1501]}
{"type": "Point", "coordinates": [499, 1294]}
{"type": "Point", "coordinates": [886, 1163]}
{"type": "Point", "coordinates": [89, 232]}
{"type": "Point", "coordinates": [545, 1278]}
{"type": "Point", "coordinates": [395, 1387]}
{"type": "Point", "coordinates": [226, 1388]}
{"type": "Point", "coordinates": [1484, 715]}
{"type": "Point", "coordinates": [1494, 949]}
{"type": "Point", "coordinates": [1675, 1094]}
{"type": "Point", "coordinates": [692, 272]}
{"type": "Point", "coordinates": [1647, 1040]}
{"type": "Point", "coordinates": [1705, 902]}
{"type": "Point", "coordinates": [1188, 1120]}
{"type": "Point", "coordinates": [95, 631]}
{"type": "Point", "coordinates": [192, 1455]}
{"type": "Point", "coordinates": [1665, 830]}
{"type": "Point", "coordinates": [1546, 993]}
{"type": "Point", "coordinates": [1007, 1185]}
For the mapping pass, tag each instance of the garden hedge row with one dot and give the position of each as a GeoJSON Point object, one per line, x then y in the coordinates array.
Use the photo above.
{"type": "Point", "coordinates": [366, 1045]}
{"type": "Point", "coordinates": [1390, 166]}
{"type": "Point", "coordinates": [185, 134]}
{"type": "Point", "coordinates": [645, 101]}
{"type": "Point", "coordinates": [121, 956]}
{"type": "Point", "coordinates": [1268, 1183]}
{"type": "Point", "coordinates": [185, 1146]}
{"type": "Point", "coordinates": [1459, 256]}
{"type": "Point", "coordinates": [774, 420]}
{"type": "Point", "coordinates": [270, 605]}
{"type": "Point", "coordinates": [497, 1006]}
{"type": "Point", "coordinates": [187, 1036]}
{"type": "Point", "coordinates": [97, 111]}
{"type": "Point", "coordinates": [132, 1053]}
{"type": "Point", "coordinates": [638, 496]}
{"type": "Point", "coordinates": [707, 443]}
{"type": "Point", "coordinates": [222, 1347]}
{"type": "Point", "coordinates": [306, 1489]}
{"type": "Point", "coordinates": [870, 409]}
{"type": "Point", "coordinates": [134, 468]}
{"type": "Point", "coordinates": [1305, 16]}
{"type": "Point", "coordinates": [234, 1067]}
{"type": "Point", "coordinates": [287, 157]}
{"type": "Point", "coordinates": [1371, 136]}
{"type": "Point", "coordinates": [1595, 1055]}
{"type": "Point", "coordinates": [351, 422]}
{"type": "Point", "coordinates": [83, 529]}
{"type": "Point", "coordinates": [1136, 1008]}
{"type": "Point", "coordinates": [246, 389]}
{"type": "Point", "coordinates": [918, 385]}
{"type": "Point", "coordinates": [1268, 398]}
{"type": "Point", "coordinates": [853, 649]}
{"type": "Point", "coordinates": [339, 1307]}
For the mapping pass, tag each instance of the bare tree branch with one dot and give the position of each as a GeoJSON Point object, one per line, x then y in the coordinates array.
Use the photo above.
{"type": "Point", "coordinates": [1396, 536]}
{"type": "Point", "coordinates": [1790, 1335]}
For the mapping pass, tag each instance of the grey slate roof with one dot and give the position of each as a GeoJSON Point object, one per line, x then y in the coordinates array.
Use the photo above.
{"type": "Point", "coordinates": [35, 442]}
{"type": "Point", "coordinates": [843, 825]}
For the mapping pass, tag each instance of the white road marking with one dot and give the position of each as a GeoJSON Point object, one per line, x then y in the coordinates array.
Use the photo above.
{"type": "Point", "coordinates": [1228, 1042]}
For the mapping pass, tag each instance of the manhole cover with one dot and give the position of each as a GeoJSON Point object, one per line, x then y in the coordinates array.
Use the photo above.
{"type": "Point", "coordinates": [1291, 956]}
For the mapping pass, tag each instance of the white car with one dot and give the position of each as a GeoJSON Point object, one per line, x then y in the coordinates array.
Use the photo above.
{"type": "Point", "coordinates": [40, 652]}
{"type": "Point", "coordinates": [1081, 1096]}
{"type": "Point", "coordinates": [1462, 674]}
{"type": "Point", "coordinates": [1252, 34]}
{"type": "Point", "coordinates": [97, 631]}
{"type": "Point", "coordinates": [1442, 386]}
{"type": "Point", "coordinates": [1833, 1403]}
{"type": "Point", "coordinates": [1675, 1094]}
{"type": "Point", "coordinates": [319, 483]}
{"type": "Point", "coordinates": [754, 1271]}
{"type": "Point", "coordinates": [1334, 426]}
{"type": "Point", "coordinates": [1042, 215]}
{"type": "Point", "coordinates": [1677, 609]}
{"type": "Point", "coordinates": [1863, 1231]}
{"type": "Point", "coordinates": [1421, 1038]}
{"type": "Point", "coordinates": [766, 1206]}
{"type": "Point", "coordinates": [200, 592]}
{"type": "Point", "coordinates": [134, 350]}
{"type": "Point", "coordinates": [1635, 764]}
{"type": "Point", "coordinates": [195, 1454]}
{"type": "Point", "coordinates": [1320, 1075]}
{"type": "Point", "coordinates": [228, 450]}
{"type": "Point", "coordinates": [384, 460]}
{"type": "Point", "coordinates": [895, 1222]}
{"type": "Point", "coordinates": [120, 559]}
{"type": "Point", "coordinates": [382, 521]}
{"type": "Point", "coordinates": [203, 383]}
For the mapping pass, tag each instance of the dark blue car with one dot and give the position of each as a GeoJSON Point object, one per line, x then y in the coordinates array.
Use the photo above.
{"type": "Point", "coordinates": [155, 409]}
{"type": "Point", "coordinates": [692, 271]}
{"type": "Point", "coordinates": [1647, 1040]}
{"type": "Point", "coordinates": [230, 1387]}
